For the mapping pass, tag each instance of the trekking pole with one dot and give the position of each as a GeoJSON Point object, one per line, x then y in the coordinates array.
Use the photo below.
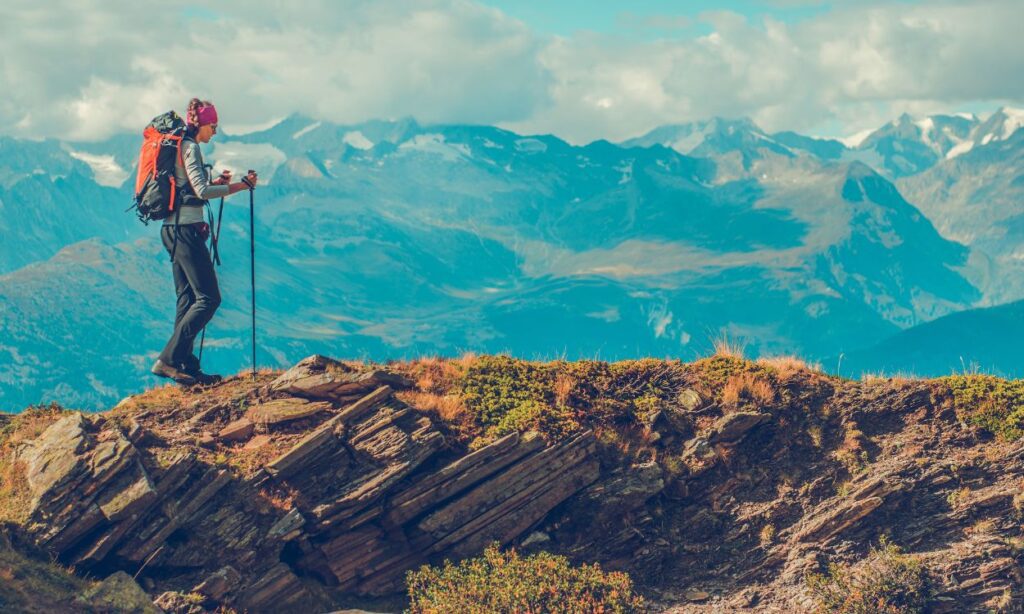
{"type": "Point", "coordinates": [252, 267]}
{"type": "Point", "coordinates": [215, 232]}
{"type": "Point", "coordinates": [215, 241]}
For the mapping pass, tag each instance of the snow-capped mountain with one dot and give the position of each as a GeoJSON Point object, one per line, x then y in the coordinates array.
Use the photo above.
{"type": "Point", "coordinates": [907, 146]}
{"type": "Point", "coordinates": [735, 144]}
{"type": "Point", "coordinates": [1000, 126]}
{"type": "Point", "coordinates": [977, 198]}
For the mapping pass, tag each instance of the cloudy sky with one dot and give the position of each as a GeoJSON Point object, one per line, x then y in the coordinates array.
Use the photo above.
{"type": "Point", "coordinates": [580, 69]}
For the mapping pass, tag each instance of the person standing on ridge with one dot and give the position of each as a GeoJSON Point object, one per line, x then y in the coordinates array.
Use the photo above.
{"type": "Point", "coordinates": [184, 236]}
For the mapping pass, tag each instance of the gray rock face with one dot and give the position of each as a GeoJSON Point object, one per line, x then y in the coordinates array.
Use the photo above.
{"type": "Point", "coordinates": [219, 583]}
{"type": "Point", "coordinates": [69, 469]}
{"type": "Point", "coordinates": [361, 511]}
{"type": "Point", "coordinates": [54, 458]}
{"type": "Point", "coordinates": [623, 491]}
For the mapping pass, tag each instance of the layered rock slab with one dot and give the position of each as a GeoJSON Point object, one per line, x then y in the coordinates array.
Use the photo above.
{"type": "Point", "coordinates": [367, 498]}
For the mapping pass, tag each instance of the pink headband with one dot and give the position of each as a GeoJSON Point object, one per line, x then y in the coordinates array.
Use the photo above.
{"type": "Point", "coordinates": [207, 115]}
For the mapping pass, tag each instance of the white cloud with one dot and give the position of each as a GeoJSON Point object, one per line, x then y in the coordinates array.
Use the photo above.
{"type": "Point", "coordinates": [85, 69]}
{"type": "Point", "coordinates": [855, 67]}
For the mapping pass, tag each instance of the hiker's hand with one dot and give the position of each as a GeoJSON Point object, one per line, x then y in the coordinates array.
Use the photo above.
{"type": "Point", "coordinates": [224, 179]}
{"type": "Point", "coordinates": [241, 186]}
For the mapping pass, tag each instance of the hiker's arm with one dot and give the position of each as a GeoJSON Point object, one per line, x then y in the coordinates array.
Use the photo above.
{"type": "Point", "coordinates": [201, 184]}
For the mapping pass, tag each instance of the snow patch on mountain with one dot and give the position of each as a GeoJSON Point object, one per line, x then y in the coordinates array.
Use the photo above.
{"type": "Point", "coordinates": [435, 143]}
{"type": "Point", "coordinates": [307, 129]}
{"type": "Point", "coordinates": [531, 146]}
{"type": "Point", "coordinates": [960, 149]}
{"type": "Point", "coordinates": [854, 140]}
{"type": "Point", "coordinates": [105, 170]}
{"type": "Point", "coordinates": [626, 168]}
{"type": "Point", "coordinates": [1014, 120]}
{"type": "Point", "coordinates": [926, 126]}
{"type": "Point", "coordinates": [611, 314]}
{"type": "Point", "coordinates": [357, 139]}
{"type": "Point", "coordinates": [659, 318]}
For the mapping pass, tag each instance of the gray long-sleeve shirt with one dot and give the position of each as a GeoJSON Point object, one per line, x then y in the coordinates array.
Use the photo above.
{"type": "Point", "coordinates": [194, 173]}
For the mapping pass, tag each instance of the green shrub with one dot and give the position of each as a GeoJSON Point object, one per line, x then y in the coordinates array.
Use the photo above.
{"type": "Point", "coordinates": [495, 385]}
{"type": "Point", "coordinates": [886, 582]}
{"type": "Point", "coordinates": [505, 582]}
{"type": "Point", "coordinates": [554, 423]}
{"type": "Point", "coordinates": [993, 403]}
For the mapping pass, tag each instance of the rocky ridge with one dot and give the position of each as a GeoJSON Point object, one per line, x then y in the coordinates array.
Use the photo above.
{"type": "Point", "coordinates": [307, 489]}
{"type": "Point", "coordinates": [354, 519]}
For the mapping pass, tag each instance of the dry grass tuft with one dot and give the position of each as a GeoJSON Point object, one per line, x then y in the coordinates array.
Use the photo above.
{"type": "Point", "coordinates": [747, 387]}
{"type": "Point", "coordinates": [852, 453]}
{"type": "Point", "coordinates": [563, 387]}
{"type": "Point", "coordinates": [449, 407]}
{"type": "Point", "coordinates": [724, 346]}
{"type": "Point", "coordinates": [276, 497]}
{"type": "Point", "coordinates": [900, 377]}
{"type": "Point", "coordinates": [788, 366]}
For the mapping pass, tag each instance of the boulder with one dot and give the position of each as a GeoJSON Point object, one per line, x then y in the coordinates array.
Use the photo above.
{"type": "Point", "coordinates": [238, 430]}
{"type": "Point", "coordinates": [284, 410]}
{"type": "Point", "coordinates": [118, 593]}
{"type": "Point", "coordinates": [319, 377]}
{"type": "Point", "coordinates": [219, 583]}
{"type": "Point", "coordinates": [733, 427]}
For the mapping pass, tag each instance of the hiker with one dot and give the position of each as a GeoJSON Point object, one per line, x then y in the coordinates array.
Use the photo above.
{"type": "Point", "coordinates": [184, 236]}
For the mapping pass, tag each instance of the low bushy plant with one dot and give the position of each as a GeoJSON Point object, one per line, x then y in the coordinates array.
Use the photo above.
{"type": "Point", "coordinates": [553, 423]}
{"type": "Point", "coordinates": [506, 582]}
{"type": "Point", "coordinates": [993, 403]}
{"type": "Point", "coordinates": [886, 582]}
{"type": "Point", "coordinates": [493, 386]}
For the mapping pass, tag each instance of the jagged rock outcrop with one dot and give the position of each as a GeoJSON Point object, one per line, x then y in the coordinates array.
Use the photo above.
{"type": "Point", "coordinates": [297, 492]}
{"type": "Point", "coordinates": [361, 506]}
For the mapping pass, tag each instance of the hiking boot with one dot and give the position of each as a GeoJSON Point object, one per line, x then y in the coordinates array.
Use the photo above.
{"type": "Point", "coordinates": [191, 366]}
{"type": "Point", "coordinates": [204, 379]}
{"type": "Point", "coordinates": [162, 369]}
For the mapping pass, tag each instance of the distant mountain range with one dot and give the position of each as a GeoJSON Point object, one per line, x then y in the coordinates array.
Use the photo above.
{"type": "Point", "coordinates": [392, 239]}
{"type": "Point", "coordinates": [986, 340]}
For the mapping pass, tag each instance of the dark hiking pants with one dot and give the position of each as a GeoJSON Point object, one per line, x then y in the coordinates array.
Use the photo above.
{"type": "Point", "coordinates": [196, 286]}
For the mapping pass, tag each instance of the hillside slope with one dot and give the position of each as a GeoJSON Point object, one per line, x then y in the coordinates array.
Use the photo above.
{"type": "Point", "coordinates": [986, 339]}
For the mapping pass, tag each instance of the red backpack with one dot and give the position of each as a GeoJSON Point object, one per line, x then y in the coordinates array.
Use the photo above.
{"type": "Point", "coordinates": [156, 195]}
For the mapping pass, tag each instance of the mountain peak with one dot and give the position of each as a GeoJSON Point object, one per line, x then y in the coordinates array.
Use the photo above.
{"type": "Point", "coordinates": [709, 137]}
